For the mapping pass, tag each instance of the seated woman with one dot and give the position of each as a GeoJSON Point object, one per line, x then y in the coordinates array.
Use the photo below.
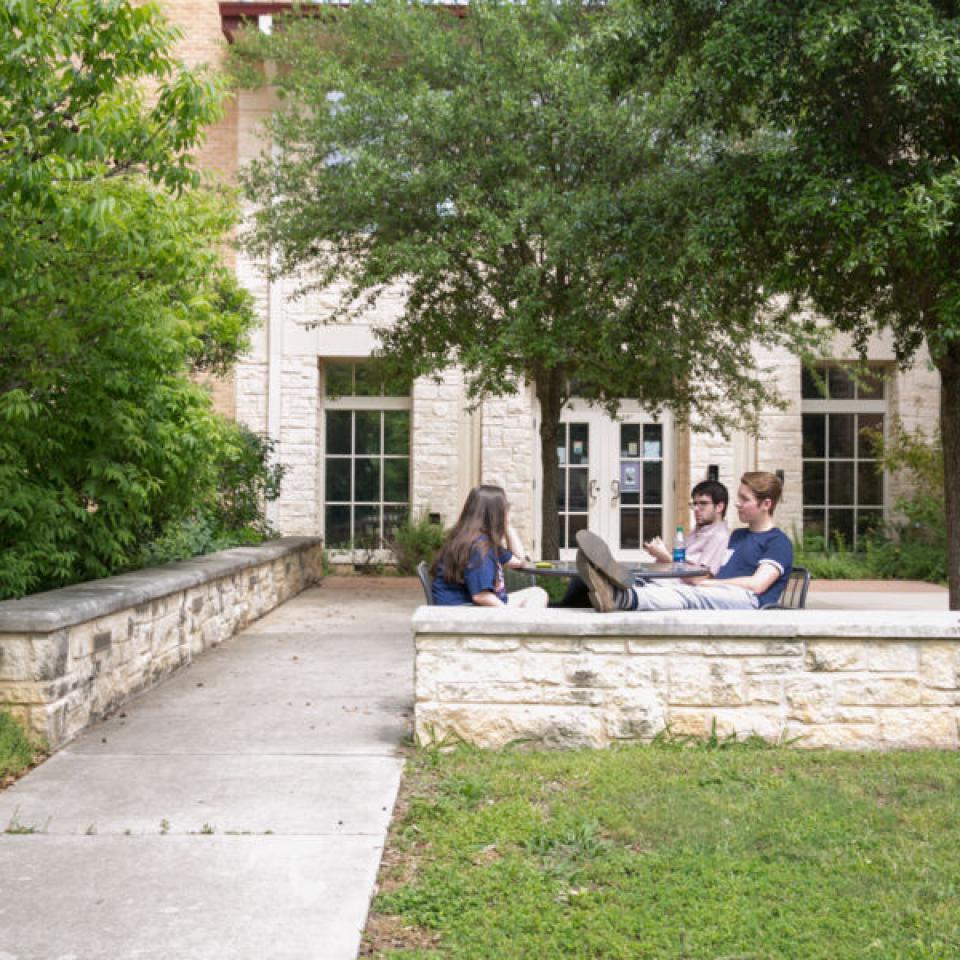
{"type": "Point", "coordinates": [469, 565]}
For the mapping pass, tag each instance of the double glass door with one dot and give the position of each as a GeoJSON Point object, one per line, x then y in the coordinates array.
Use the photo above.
{"type": "Point", "coordinates": [615, 478]}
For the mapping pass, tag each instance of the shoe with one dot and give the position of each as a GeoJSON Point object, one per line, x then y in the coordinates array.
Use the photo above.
{"type": "Point", "coordinates": [599, 556]}
{"type": "Point", "coordinates": [602, 592]}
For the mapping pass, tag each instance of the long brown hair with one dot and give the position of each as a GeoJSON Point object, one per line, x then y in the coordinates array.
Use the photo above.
{"type": "Point", "coordinates": [483, 518]}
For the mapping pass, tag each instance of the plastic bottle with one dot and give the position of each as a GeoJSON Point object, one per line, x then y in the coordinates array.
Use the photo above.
{"type": "Point", "coordinates": [679, 546]}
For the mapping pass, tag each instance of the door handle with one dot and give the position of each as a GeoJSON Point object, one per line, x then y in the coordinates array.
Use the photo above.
{"type": "Point", "coordinates": [594, 489]}
{"type": "Point", "coordinates": [615, 491]}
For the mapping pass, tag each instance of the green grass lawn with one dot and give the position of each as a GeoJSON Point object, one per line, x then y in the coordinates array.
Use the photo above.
{"type": "Point", "coordinates": [709, 851]}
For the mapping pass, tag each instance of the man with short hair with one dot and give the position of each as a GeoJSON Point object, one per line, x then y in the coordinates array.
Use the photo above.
{"type": "Point", "coordinates": [754, 571]}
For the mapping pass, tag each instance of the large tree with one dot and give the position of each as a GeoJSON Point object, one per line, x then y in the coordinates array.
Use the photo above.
{"type": "Point", "coordinates": [839, 127]}
{"type": "Point", "coordinates": [537, 222]}
{"type": "Point", "coordinates": [112, 292]}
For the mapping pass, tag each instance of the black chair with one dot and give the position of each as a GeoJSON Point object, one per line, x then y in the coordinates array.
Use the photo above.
{"type": "Point", "coordinates": [794, 596]}
{"type": "Point", "coordinates": [423, 574]}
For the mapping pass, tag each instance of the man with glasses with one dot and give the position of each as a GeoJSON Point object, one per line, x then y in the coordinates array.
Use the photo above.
{"type": "Point", "coordinates": [707, 541]}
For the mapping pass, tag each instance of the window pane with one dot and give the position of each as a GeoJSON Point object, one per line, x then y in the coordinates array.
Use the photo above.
{"type": "Point", "coordinates": [841, 528]}
{"type": "Point", "coordinates": [396, 480]}
{"type": "Point", "coordinates": [396, 431]}
{"type": "Point", "coordinates": [561, 490]}
{"type": "Point", "coordinates": [652, 524]}
{"type": "Point", "coordinates": [366, 527]}
{"type": "Point", "coordinates": [629, 440]}
{"type": "Point", "coordinates": [399, 385]}
{"type": "Point", "coordinates": [578, 489]}
{"type": "Point", "coordinates": [841, 435]}
{"type": "Point", "coordinates": [579, 443]}
{"type": "Point", "coordinates": [653, 482]}
{"type": "Point", "coordinates": [367, 427]}
{"type": "Point", "coordinates": [868, 522]}
{"type": "Point", "coordinates": [337, 486]}
{"type": "Point", "coordinates": [814, 435]}
{"type": "Point", "coordinates": [810, 388]}
{"type": "Point", "coordinates": [576, 523]}
{"type": "Point", "coordinates": [366, 479]}
{"type": "Point", "coordinates": [814, 482]}
{"type": "Point", "coordinates": [872, 384]}
{"type": "Point", "coordinates": [841, 483]}
{"type": "Point", "coordinates": [562, 533]}
{"type": "Point", "coordinates": [653, 441]}
{"type": "Point", "coordinates": [337, 527]}
{"type": "Point", "coordinates": [872, 423]}
{"type": "Point", "coordinates": [869, 485]}
{"type": "Point", "coordinates": [629, 499]}
{"type": "Point", "coordinates": [840, 385]}
{"type": "Point", "coordinates": [813, 528]}
{"type": "Point", "coordinates": [629, 529]}
{"type": "Point", "coordinates": [339, 379]}
{"type": "Point", "coordinates": [338, 431]}
{"type": "Point", "coordinates": [393, 517]}
{"type": "Point", "coordinates": [367, 384]}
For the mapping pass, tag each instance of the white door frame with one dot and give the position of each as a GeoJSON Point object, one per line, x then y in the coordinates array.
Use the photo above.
{"type": "Point", "coordinates": [604, 472]}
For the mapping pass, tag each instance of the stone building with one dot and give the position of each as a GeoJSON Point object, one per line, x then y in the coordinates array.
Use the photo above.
{"type": "Point", "coordinates": [358, 460]}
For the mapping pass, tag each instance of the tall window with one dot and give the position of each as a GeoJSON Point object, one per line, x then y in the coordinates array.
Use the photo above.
{"type": "Point", "coordinates": [366, 456]}
{"type": "Point", "coordinates": [843, 490]}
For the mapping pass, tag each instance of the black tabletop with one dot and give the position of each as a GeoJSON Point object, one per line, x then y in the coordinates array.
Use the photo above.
{"type": "Point", "coordinates": [642, 571]}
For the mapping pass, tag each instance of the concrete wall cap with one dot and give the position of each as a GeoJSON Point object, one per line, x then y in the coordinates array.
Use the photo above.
{"type": "Point", "coordinates": [749, 624]}
{"type": "Point", "coordinates": [56, 609]}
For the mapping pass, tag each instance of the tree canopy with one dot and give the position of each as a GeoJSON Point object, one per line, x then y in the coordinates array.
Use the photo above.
{"type": "Point", "coordinates": [112, 292]}
{"type": "Point", "coordinates": [834, 131]}
{"type": "Point", "coordinates": [535, 216]}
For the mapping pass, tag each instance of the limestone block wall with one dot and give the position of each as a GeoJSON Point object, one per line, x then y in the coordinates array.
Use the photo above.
{"type": "Point", "coordinates": [69, 657]}
{"type": "Point", "coordinates": [857, 680]}
{"type": "Point", "coordinates": [440, 447]}
{"type": "Point", "coordinates": [510, 449]}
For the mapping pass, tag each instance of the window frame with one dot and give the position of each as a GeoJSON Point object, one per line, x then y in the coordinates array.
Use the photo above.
{"type": "Point", "coordinates": [828, 406]}
{"type": "Point", "coordinates": [356, 404]}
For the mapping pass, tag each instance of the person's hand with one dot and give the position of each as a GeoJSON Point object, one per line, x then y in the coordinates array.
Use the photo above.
{"type": "Point", "coordinates": [657, 548]}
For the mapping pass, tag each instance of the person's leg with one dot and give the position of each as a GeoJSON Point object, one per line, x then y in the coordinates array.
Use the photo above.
{"type": "Point", "coordinates": [607, 596]}
{"type": "Point", "coordinates": [529, 597]}
{"type": "Point", "coordinates": [577, 595]}
{"type": "Point", "coordinates": [594, 550]}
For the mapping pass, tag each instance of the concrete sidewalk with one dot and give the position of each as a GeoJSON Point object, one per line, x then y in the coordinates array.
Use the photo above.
{"type": "Point", "coordinates": [236, 811]}
{"type": "Point", "coordinates": [876, 595]}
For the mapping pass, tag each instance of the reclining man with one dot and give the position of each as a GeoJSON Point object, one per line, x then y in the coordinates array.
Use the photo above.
{"type": "Point", "coordinates": [753, 573]}
{"type": "Point", "coordinates": [706, 542]}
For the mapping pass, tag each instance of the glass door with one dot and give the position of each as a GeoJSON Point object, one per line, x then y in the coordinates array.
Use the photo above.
{"type": "Point", "coordinates": [615, 478]}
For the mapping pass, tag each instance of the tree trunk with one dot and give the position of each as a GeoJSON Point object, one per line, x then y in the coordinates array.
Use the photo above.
{"type": "Point", "coordinates": [548, 393]}
{"type": "Point", "coordinates": [949, 367]}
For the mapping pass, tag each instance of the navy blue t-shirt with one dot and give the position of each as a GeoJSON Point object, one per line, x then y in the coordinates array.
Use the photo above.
{"type": "Point", "coordinates": [747, 550]}
{"type": "Point", "coordinates": [484, 571]}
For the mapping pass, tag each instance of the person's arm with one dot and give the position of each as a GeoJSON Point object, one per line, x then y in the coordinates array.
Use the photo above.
{"type": "Point", "coordinates": [486, 598]}
{"type": "Point", "coordinates": [658, 550]}
{"type": "Point", "coordinates": [761, 580]}
{"type": "Point", "coordinates": [515, 546]}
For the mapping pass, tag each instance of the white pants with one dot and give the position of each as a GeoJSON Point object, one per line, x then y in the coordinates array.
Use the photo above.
{"type": "Point", "coordinates": [658, 595]}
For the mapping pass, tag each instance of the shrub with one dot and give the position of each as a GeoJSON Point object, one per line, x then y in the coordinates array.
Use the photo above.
{"type": "Point", "coordinates": [414, 541]}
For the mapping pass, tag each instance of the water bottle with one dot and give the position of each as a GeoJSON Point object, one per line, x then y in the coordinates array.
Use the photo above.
{"type": "Point", "coordinates": [679, 547]}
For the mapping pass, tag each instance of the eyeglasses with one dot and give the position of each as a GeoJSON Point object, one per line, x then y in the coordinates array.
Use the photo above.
{"type": "Point", "coordinates": [700, 503]}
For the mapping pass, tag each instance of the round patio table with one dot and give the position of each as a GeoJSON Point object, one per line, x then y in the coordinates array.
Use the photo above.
{"type": "Point", "coordinates": [641, 571]}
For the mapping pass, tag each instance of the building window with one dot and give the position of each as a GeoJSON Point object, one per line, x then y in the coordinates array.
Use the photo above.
{"type": "Point", "coordinates": [843, 489]}
{"type": "Point", "coordinates": [366, 456]}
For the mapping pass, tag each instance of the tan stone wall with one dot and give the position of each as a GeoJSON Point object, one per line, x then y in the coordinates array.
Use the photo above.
{"type": "Point", "coordinates": [565, 678]}
{"type": "Point", "coordinates": [56, 682]}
